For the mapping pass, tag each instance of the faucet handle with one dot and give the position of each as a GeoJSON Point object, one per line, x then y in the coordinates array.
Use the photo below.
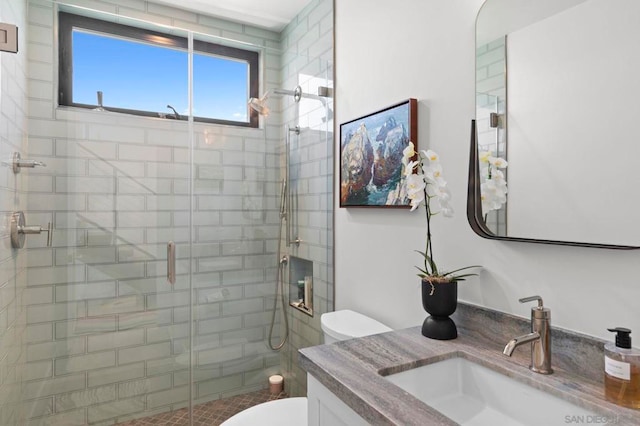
{"type": "Point", "coordinates": [537, 312]}
{"type": "Point", "coordinates": [531, 299]}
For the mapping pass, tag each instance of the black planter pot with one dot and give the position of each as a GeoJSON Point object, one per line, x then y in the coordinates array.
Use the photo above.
{"type": "Point", "coordinates": [442, 303]}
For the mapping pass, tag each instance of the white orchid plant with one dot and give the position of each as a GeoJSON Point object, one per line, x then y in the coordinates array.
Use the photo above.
{"type": "Point", "coordinates": [493, 186]}
{"type": "Point", "coordinates": [426, 185]}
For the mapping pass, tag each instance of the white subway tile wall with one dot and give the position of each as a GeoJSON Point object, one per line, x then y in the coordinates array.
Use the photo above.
{"type": "Point", "coordinates": [106, 337]}
{"type": "Point", "coordinates": [307, 60]}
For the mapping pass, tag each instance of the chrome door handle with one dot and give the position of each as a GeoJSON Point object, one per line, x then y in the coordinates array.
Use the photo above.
{"type": "Point", "coordinates": [171, 262]}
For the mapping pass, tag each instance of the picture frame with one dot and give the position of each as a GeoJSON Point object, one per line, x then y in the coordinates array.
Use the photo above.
{"type": "Point", "coordinates": [371, 149]}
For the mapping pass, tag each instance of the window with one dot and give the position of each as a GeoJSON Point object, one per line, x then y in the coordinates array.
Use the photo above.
{"type": "Point", "coordinates": [144, 72]}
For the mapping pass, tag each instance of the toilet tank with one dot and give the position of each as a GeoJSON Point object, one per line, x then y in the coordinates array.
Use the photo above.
{"type": "Point", "coordinates": [347, 324]}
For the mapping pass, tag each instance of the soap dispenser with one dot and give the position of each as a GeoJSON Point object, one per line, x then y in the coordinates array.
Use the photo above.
{"type": "Point", "coordinates": [622, 370]}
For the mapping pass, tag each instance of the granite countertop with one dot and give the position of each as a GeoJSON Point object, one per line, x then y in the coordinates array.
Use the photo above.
{"type": "Point", "coordinates": [353, 370]}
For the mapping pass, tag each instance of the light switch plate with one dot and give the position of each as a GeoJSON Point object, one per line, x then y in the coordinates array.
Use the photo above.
{"type": "Point", "coordinates": [8, 38]}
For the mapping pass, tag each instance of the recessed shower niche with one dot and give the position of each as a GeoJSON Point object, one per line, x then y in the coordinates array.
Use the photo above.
{"type": "Point", "coordinates": [301, 284]}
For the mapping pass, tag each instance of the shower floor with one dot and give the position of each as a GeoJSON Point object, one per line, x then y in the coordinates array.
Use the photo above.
{"type": "Point", "coordinates": [211, 413]}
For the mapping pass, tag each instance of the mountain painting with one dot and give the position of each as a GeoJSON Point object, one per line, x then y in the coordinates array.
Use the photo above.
{"type": "Point", "coordinates": [371, 156]}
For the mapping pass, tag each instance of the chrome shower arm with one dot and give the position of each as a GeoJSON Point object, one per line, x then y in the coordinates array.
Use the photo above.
{"type": "Point", "coordinates": [278, 91]}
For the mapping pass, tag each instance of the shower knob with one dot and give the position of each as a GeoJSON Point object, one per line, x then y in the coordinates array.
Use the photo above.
{"type": "Point", "coordinates": [19, 230]}
{"type": "Point", "coordinates": [17, 163]}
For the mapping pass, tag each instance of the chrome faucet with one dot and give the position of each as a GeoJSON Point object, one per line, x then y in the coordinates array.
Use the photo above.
{"type": "Point", "coordinates": [540, 338]}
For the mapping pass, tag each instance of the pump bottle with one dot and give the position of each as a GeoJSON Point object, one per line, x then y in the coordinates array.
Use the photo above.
{"type": "Point", "coordinates": [622, 370]}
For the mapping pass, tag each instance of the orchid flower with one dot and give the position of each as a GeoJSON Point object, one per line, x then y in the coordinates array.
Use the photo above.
{"type": "Point", "coordinates": [409, 168]}
{"type": "Point", "coordinates": [408, 153]}
{"type": "Point", "coordinates": [426, 185]}
{"type": "Point", "coordinates": [493, 186]}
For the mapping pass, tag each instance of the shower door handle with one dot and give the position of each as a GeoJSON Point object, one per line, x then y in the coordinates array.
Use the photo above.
{"type": "Point", "coordinates": [171, 262]}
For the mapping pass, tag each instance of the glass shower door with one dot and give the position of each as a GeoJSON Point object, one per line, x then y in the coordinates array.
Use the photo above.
{"type": "Point", "coordinates": [235, 234]}
{"type": "Point", "coordinates": [115, 330]}
{"type": "Point", "coordinates": [108, 333]}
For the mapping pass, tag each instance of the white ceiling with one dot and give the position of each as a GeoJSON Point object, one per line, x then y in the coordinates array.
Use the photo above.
{"type": "Point", "coordinates": [270, 14]}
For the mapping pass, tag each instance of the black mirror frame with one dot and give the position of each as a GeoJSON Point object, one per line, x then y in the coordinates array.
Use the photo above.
{"type": "Point", "coordinates": [474, 207]}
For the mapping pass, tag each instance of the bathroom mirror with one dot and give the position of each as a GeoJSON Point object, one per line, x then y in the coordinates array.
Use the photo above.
{"type": "Point", "coordinates": [558, 98]}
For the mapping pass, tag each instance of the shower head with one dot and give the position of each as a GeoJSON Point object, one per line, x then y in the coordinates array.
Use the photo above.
{"type": "Point", "coordinates": [260, 104]}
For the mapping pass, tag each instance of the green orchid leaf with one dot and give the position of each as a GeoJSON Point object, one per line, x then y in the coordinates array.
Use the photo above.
{"type": "Point", "coordinates": [462, 269]}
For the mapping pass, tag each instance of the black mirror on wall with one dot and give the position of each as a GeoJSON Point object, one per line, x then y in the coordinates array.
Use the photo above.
{"type": "Point", "coordinates": [555, 134]}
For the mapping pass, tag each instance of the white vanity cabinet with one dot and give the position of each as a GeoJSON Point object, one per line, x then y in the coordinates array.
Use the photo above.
{"type": "Point", "coordinates": [326, 409]}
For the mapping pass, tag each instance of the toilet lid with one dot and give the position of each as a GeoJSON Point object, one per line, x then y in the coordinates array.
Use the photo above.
{"type": "Point", "coordinates": [347, 324]}
{"type": "Point", "coordinates": [280, 412]}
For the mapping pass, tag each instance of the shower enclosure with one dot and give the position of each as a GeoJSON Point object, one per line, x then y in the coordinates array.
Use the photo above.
{"type": "Point", "coordinates": [105, 336]}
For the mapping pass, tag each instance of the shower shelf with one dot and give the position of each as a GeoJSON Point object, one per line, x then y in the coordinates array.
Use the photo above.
{"type": "Point", "coordinates": [301, 284]}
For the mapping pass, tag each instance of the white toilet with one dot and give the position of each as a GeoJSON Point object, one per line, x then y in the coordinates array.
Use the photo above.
{"type": "Point", "coordinates": [347, 324]}
{"type": "Point", "coordinates": [281, 412]}
{"type": "Point", "coordinates": [336, 326]}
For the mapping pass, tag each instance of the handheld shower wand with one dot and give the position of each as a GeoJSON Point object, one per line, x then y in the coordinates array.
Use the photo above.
{"type": "Point", "coordinates": [280, 276]}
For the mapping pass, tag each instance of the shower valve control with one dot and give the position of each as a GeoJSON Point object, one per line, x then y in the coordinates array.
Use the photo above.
{"type": "Point", "coordinates": [18, 163]}
{"type": "Point", "coordinates": [19, 229]}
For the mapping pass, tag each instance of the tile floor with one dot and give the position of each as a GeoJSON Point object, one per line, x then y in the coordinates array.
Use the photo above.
{"type": "Point", "coordinates": [210, 414]}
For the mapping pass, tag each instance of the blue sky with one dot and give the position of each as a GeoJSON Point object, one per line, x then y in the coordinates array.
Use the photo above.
{"type": "Point", "coordinates": [146, 77]}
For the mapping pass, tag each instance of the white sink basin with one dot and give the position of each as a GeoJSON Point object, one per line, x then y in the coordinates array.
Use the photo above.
{"type": "Point", "coordinates": [471, 394]}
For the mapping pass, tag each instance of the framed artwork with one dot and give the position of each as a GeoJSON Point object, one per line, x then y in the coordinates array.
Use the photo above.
{"type": "Point", "coordinates": [371, 170]}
